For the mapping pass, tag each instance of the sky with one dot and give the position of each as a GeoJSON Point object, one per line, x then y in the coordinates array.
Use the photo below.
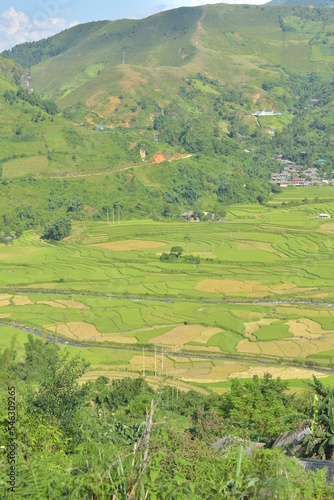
{"type": "Point", "coordinates": [29, 20]}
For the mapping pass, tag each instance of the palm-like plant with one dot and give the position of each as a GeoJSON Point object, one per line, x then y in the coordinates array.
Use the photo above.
{"type": "Point", "coordinates": [321, 441]}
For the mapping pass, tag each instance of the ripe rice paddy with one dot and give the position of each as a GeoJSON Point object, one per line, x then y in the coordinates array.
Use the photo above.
{"type": "Point", "coordinates": [262, 291]}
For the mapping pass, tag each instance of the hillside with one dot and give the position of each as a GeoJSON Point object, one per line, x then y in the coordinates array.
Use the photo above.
{"type": "Point", "coordinates": [82, 67]}
{"type": "Point", "coordinates": [308, 3]}
{"type": "Point", "coordinates": [171, 129]}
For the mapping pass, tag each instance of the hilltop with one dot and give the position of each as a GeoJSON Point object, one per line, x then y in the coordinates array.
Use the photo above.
{"type": "Point", "coordinates": [82, 68]}
{"type": "Point", "coordinates": [308, 3]}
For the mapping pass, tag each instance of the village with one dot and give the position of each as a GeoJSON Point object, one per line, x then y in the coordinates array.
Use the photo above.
{"type": "Point", "coordinates": [297, 175]}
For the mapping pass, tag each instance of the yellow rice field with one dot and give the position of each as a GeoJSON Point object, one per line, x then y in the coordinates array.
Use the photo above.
{"type": "Point", "coordinates": [283, 372]}
{"type": "Point", "coordinates": [186, 333]}
{"type": "Point", "coordinates": [21, 300]}
{"type": "Point", "coordinates": [118, 246]}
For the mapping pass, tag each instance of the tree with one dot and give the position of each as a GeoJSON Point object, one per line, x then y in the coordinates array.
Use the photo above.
{"type": "Point", "coordinates": [59, 394]}
{"type": "Point", "coordinates": [257, 407]}
{"type": "Point", "coordinates": [59, 230]}
{"type": "Point", "coordinates": [177, 251]}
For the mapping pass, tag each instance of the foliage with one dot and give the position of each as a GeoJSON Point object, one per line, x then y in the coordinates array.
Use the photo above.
{"type": "Point", "coordinates": [257, 407]}
{"type": "Point", "coordinates": [59, 230]}
{"type": "Point", "coordinates": [92, 439]}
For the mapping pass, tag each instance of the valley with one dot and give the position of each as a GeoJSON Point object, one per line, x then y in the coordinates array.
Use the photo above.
{"type": "Point", "coordinates": [166, 256]}
{"type": "Point", "coordinates": [257, 287]}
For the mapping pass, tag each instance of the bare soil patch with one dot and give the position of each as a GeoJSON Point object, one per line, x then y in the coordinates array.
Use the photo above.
{"type": "Point", "coordinates": [158, 158]}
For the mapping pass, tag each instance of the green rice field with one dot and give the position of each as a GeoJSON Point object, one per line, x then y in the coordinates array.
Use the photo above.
{"type": "Point", "coordinates": [259, 300]}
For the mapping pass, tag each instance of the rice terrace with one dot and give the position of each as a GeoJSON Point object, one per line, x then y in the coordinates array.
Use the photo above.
{"type": "Point", "coordinates": [251, 294]}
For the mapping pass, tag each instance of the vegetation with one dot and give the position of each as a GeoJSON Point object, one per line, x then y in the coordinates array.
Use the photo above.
{"type": "Point", "coordinates": [96, 439]}
{"type": "Point", "coordinates": [136, 339]}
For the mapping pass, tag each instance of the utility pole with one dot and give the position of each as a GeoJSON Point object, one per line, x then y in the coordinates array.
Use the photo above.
{"type": "Point", "coordinates": [144, 362]}
{"type": "Point", "coordinates": [162, 361]}
{"type": "Point", "coordinates": [155, 361]}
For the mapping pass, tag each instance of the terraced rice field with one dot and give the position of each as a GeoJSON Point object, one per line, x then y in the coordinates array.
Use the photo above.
{"type": "Point", "coordinates": [262, 292]}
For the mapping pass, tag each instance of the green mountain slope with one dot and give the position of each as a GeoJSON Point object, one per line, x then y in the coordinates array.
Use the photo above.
{"type": "Point", "coordinates": [170, 129]}
{"type": "Point", "coordinates": [309, 3]}
{"type": "Point", "coordinates": [82, 68]}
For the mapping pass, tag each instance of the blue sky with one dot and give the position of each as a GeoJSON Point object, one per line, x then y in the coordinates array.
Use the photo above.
{"type": "Point", "coordinates": [24, 21]}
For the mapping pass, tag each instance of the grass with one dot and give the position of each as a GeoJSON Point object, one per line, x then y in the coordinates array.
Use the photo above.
{"type": "Point", "coordinates": [274, 331]}
{"type": "Point", "coordinates": [277, 122]}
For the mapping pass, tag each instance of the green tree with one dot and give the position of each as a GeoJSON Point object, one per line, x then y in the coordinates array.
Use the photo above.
{"type": "Point", "coordinates": [59, 395]}
{"type": "Point", "coordinates": [177, 251]}
{"type": "Point", "coordinates": [59, 230]}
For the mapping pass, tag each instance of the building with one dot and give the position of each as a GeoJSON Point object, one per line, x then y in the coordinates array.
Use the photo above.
{"type": "Point", "coordinates": [297, 181]}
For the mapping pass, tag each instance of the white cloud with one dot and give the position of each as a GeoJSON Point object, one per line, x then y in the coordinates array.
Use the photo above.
{"type": "Point", "coordinates": [16, 27]}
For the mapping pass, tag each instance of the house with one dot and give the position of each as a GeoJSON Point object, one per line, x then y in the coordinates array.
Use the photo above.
{"type": "Point", "coordinates": [297, 181]}
{"type": "Point", "coordinates": [296, 168]}
{"type": "Point", "coordinates": [313, 102]}
{"type": "Point", "coordinates": [266, 113]}
{"type": "Point", "coordinates": [287, 162]}
{"type": "Point", "coordinates": [188, 215]}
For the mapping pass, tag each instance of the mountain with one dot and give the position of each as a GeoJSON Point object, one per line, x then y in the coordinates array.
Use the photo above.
{"type": "Point", "coordinates": [305, 3]}
{"type": "Point", "coordinates": [156, 116]}
{"type": "Point", "coordinates": [82, 68]}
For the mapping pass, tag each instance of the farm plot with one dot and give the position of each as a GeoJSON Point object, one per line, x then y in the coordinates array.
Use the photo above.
{"type": "Point", "coordinates": [184, 334]}
{"type": "Point", "coordinates": [115, 289]}
{"type": "Point", "coordinates": [119, 246]}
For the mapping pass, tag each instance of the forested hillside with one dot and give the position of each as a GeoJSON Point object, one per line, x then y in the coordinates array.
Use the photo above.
{"type": "Point", "coordinates": [156, 117]}
{"type": "Point", "coordinates": [123, 439]}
